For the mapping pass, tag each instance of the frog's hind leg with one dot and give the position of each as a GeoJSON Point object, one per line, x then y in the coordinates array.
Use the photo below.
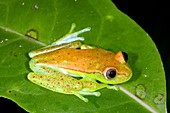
{"type": "Point", "coordinates": [53, 48]}
{"type": "Point", "coordinates": [67, 41]}
{"type": "Point", "coordinates": [40, 68]}
{"type": "Point", "coordinates": [51, 83]}
{"type": "Point", "coordinates": [71, 36]}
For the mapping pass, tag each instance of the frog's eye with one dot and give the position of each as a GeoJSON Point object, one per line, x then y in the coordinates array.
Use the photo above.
{"type": "Point", "coordinates": [121, 57]}
{"type": "Point", "coordinates": [110, 73]}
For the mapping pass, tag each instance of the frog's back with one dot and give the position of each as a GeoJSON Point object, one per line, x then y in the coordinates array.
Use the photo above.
{"type": "Point", "coordinates": [85, 60]}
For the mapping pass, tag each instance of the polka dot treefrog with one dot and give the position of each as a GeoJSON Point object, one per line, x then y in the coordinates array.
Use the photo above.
{"type": "Point", "coordinates": [70, 67]}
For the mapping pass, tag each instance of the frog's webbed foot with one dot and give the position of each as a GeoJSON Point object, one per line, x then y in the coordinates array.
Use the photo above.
{"type": "Point", "coordinates": [80, 93]}
{"type": "Point", "coordinates": [71, 36]}
{"type": "Point", "coordinates": [115, 87]}
{"type": "Point", "coordinates": [80, 96]}
{"type": "Point", "coordinates": [97, 94]}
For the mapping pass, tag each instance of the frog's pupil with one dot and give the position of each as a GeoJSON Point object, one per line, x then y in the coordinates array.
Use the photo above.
{"type": "Point", "coordinates": [111, 73]}
{"type": "Point", "coordinates": [125, 56]}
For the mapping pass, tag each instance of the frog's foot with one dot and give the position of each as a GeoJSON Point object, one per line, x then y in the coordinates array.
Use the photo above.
{"type": "Point", "coordinates": [80, 93]}
{"type": "Point", "coordinates": [80, 96]}
{"type": "Point", "coordinates": [71, 36]}
{"type": "Point", "coordinates": [97, 94]}
{"type": "Point", "coordinates": [115, 87]}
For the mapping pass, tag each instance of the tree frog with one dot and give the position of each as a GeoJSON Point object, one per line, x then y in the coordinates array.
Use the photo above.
{"type": "Point", "coordinates": [70, 67]}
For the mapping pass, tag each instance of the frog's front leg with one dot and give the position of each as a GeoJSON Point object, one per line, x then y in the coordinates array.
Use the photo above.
{"type": "Point", "coordinates": [91, 85]}
{"type": "Point", "coordinates": [90, 88]}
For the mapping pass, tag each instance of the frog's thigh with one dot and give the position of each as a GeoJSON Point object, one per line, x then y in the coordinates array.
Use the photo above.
{"type": "Point", "coordinates": [40, 69]}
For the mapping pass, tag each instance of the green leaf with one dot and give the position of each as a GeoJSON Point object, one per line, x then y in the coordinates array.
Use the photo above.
{"type": "Point", "coordinates": [111, 30]}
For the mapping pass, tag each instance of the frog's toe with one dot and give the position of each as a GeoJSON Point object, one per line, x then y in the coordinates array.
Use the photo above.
{"type": "Point", "coordinates": [79, 96]}
{"type": "Point", "coordinates": [83, 30]}
{"type": "Point", "coordinates": [97, 94]}
{"type": "Point", "coordinates": [90, 93]}
{"type": "Point", "coordinates": [85, 99]}
{"type": "Point", "coordinates": [73, 26]}
{"type": "Point", "coordinates": [115, 87]}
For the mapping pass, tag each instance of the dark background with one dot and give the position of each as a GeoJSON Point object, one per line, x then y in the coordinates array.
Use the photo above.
{"type": "Point", "coordinates": [153, 17]}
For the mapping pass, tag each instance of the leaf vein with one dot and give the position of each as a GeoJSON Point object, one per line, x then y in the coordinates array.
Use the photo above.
{"type": "Point", "coordinates": [138, 100]}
